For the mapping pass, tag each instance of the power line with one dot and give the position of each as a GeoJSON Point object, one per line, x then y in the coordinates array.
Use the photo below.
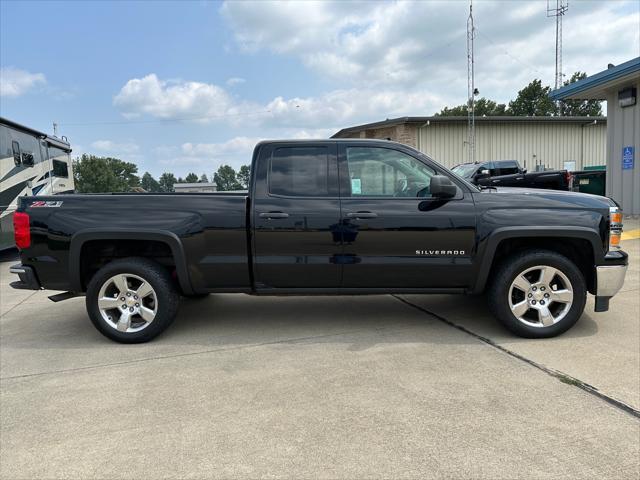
{"type": "Point", "coordinates": [163, 120]}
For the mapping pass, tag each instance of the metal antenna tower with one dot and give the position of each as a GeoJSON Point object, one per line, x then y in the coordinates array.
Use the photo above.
{"type": "Point", "coordinates": [472, 91]}
{"type": "Point", "coordinates": [558, 12]}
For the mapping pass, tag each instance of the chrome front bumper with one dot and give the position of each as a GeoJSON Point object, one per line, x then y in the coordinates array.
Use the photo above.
{"type": "Point", "coordinates": [609, 279]}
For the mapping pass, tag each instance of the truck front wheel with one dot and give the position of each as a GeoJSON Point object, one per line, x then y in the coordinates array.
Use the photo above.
{"type": "Point", "coordinates": [537, 294]}
{"type": "Point", "coordinates": [132, 300]}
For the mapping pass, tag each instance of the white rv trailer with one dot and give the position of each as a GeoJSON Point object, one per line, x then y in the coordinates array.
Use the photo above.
{"type": "Point", "coordinates": [31, 163]}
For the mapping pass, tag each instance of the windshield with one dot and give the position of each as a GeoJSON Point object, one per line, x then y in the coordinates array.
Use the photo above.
{"type": "Point", "coordinates": [465, 171]}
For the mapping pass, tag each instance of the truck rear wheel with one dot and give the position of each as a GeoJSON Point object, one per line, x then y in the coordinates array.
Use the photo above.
{"type": "Point", "coordinates": [132, 300]}
{"type": "Point", "coordinates": [537, 294]}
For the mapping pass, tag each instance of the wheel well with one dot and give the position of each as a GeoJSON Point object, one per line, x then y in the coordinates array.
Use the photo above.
{"type": "Point", "coordinates": [578, 250]}
{"type": "Point", "coordinates": [97, 253]}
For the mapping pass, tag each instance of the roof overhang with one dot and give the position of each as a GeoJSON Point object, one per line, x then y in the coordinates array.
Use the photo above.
{"type": "Point", "coordinates": [598, 85]}
{"type": "Point", "coordinates": [437, 119]}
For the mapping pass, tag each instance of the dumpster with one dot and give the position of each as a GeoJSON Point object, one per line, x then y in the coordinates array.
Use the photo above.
{"type": "Point", "coordinates": [591, 180]}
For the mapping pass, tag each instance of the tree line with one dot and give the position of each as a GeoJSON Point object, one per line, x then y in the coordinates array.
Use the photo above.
{"type": "Point", "coordinates": [93, 174]}
{"type": "Point", "coordinates": [532, 100]}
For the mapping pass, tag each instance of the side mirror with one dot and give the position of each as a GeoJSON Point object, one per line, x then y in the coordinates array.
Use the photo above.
{"type": "Point", "coordinates": [483, 176]}
{"type": "Point", "coordinates": [442, 187]}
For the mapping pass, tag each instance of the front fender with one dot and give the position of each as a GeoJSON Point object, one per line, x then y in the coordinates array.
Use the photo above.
{"type": "Point", "coordinates": [489, 245]}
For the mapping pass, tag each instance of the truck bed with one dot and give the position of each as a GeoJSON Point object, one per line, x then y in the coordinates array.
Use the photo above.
{"type": "Point", "coordinates": [210, 229]}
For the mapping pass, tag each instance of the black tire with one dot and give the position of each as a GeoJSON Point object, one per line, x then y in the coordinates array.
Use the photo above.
{"type": "Point", "coordinates": [506, 273]}
{"type": "Point", "coordinates": [168, 299]}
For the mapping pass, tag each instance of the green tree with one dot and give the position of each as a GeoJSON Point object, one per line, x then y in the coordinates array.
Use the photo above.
{"type": "Point", "coordinates": [533, 100]}
{"type": "Point", "coordinates": [191, 178]}
{"type": "Point", "coordinates": [483, 107]}
{"type": "Point", "coordinates": [149, 183]}
{"type": "Point", "coordinates": [580, 107]}
{"type": "Point", "coordinates": [243, 176]}
{"type": "Point", "coordinates": [104, 174]}
{"type": "Point", "coordinates": [204, 178]}
{"type": "Point", "coordinates": [167, 180]}
{"type": "Point", "coordinates": [225, 179]}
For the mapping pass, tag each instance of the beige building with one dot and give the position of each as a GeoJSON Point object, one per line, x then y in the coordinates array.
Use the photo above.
{"type": "Point", "coordinates": [619, 86]}
{"type": "Point", "coordinates": [199, 187]}
{"type": "Point", "coordinates": [555, 142]}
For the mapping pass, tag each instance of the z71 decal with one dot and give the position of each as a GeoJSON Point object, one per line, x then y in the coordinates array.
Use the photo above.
{"type": "Point", "coordinates": [51, 204]}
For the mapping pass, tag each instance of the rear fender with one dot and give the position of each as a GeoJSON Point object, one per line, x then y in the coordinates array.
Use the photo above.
{"type": "Point", "coordinates": [169, 238]}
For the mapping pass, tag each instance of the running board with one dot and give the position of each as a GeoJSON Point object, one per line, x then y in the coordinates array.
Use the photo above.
{"type": "Point", "coordinates": [59, 297]}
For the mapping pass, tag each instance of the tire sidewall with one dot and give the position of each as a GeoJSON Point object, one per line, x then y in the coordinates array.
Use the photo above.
{"type": "Point", "coordinates": [534, 259]}
{"type": "Point", "coordinates": [150, 272]}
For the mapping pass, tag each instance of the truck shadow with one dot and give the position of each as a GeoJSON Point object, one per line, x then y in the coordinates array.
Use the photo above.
{"type": "Point", "coordinates": [233, 321]}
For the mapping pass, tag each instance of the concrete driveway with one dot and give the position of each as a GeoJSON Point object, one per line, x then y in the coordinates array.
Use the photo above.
{"type": "Point", "coordinates": [301, 387]}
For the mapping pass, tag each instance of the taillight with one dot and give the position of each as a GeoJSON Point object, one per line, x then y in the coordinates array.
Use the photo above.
{"type": "Point", "coordinates": [615, 228]}
{"type": "Point", "coordinates": [21, 230]}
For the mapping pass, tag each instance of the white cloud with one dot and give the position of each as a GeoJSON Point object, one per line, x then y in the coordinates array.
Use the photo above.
{"type": "Point", "coordinates": [176, 100]}
{"type": "Point", "coordinates": [399, 45]}
{"type": "Point", "coordinates": [234, 146]}
{"type": "Point", "coordinates": [171, 99]}
{"type": "Point", "coordinates": [15, 82]}
{"type": "Point", "coordinates": [109, 146]}
{"type": "Point", "coordinates": [207, 157]}
{"type": "Point", "coordinates": [235, 81]}
{"type": "Point", "coordinates": [389, 59]}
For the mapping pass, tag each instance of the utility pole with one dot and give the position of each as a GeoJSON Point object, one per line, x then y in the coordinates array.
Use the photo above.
{"type": "Point", "coordinates": [55, 129]}
{"type": "Point", "coordinates": [558, 12]}
{"type": "Point", "coordinates": [471, 88]}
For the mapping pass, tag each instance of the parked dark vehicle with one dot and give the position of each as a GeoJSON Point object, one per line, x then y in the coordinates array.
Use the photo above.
{"type": "Point", "coordinates": [509, 173]}
{"type": "Point", "coordinates": [326, 217]}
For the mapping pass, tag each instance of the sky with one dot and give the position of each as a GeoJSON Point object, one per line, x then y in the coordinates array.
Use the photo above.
{"type": "Point", "coordinates": [186, 86]}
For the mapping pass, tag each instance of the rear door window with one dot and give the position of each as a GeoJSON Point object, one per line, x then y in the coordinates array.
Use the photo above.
{"type": "Point", "coordinates": [302, 172]}
{"type": "Point", "coordinates": [508, 168]}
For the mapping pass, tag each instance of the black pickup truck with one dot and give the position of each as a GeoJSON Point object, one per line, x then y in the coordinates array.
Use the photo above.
{"type": "Point", "coordinates": [509, 173]}
{"type": "Point", "coordinates": [326, 217]}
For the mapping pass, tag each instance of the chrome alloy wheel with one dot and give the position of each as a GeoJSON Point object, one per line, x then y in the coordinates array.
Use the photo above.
{"type": "Point", "coordinates": [127, 303]}
{"type": "Point", "coordinates": [540, 296]}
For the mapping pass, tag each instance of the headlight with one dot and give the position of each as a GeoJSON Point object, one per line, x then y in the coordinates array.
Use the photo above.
{"type": "Point", "coordinates": [615, 228]}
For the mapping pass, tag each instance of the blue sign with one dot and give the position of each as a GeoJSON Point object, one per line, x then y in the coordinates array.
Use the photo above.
{"type": "Point", "coordinates": [627, 158]}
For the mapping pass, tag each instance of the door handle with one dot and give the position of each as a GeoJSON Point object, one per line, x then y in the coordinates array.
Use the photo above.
{"type": "Point", "coordinates": [362, 215]}
{"type": "Point", "coordinates": [274, 215]}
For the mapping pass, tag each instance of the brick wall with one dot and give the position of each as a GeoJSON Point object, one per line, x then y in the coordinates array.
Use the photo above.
{"type": "Point", "coordinates": [403, 133]}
